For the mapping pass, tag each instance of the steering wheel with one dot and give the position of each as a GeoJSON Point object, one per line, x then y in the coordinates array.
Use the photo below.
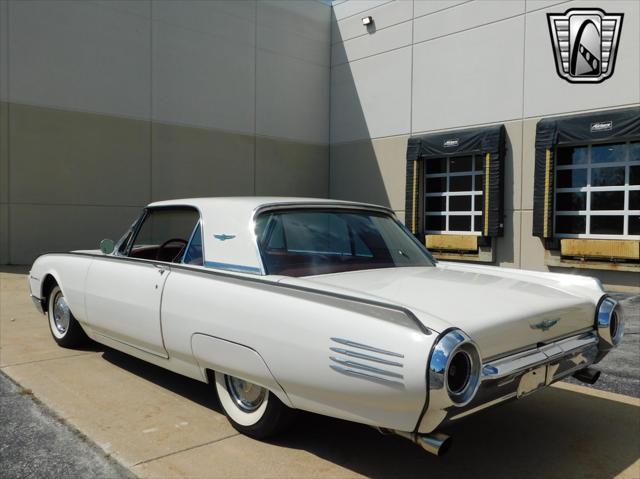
{"type": "Point", "coordinates": [169, 241]}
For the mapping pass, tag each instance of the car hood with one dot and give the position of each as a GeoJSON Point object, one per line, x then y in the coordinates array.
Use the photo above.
{"type": "Point", "coordinates": [501, 310]}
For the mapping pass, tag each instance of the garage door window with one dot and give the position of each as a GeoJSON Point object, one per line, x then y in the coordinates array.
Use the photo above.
{"type": "Point", "coordinates": [597, 192]}
{"type": "Point", "coordinates": [453, 194]}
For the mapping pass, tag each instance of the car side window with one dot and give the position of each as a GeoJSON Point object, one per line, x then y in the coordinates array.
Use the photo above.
{"type": "Point", "coordinates": [193, 255]}
{"type": "Point", "coordinates": [164, 234]}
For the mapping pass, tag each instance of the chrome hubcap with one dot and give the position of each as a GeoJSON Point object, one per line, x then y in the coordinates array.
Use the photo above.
{"type": "Point", "coordinates": [247, 396]}
{"type": "Point", "coordinates": [61, 314]}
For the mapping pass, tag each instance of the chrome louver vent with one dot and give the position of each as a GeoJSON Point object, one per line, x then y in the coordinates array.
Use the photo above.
{"type": "Point", "coordinates": [367, 362]}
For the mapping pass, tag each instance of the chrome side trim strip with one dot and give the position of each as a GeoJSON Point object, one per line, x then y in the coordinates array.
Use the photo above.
{"type": "Point", "coordinates": [355, 354]}
{"type": "Point", "coordinates": [352, 364]}
{"type": "Point", "coordinates": [373, 349]}
{"type": "Point", "coordinates": [369, 377]}
{"type": "Point", "coordinates": [407, 315]}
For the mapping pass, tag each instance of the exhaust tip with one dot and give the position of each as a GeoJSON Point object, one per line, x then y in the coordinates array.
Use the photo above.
{"type": "Point", "coordinates": [436, 443]}
{"type": "Point", "coordinates": [587, 375]}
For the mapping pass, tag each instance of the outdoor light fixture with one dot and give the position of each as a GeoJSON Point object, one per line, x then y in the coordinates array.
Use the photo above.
{"type": "Point", "coordinates": [367, 20]}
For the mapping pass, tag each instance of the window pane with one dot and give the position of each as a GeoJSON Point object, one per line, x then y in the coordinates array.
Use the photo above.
{"type": "Point", "coordinates": [461, 163]}
{"type": "Point", "coordinates": [316, 232]}
{"type": "Point", "coordinates": [607, 176]}
{"type": "Point", "coordinates": [460, 183]}
{"type": "Point", "coordinates": [435, 223]}
{"type": "Point", "coordinates": [194, 253]}
{"type": "Point", "coordinates": [634, 175]}
{"type": "Point", "coordinates": [477, 223]}
{"type": "Point", "coordinates": [478, 202]}
{"type": "Point", "coordinates": [572, 178]}
{"type": "Point", "coordinates": [607, 225]}
{"type": "Point", "coordinates": [634, 200]}
{"type": "Point", "coordinates": [479, 183]}
{"type": "Point", "coordinates": [435, 203]}
{"type": "Point", "coordinates": [607, 153]}
{"type": "Point", "coordinates": [571, 201]}
{"type": "Point", "coordinates": [572, 155]}
{"type": "Point", "coordinates": [634, 151]}
{"type": "Point", "coordinates": [460, 203]}
{"type": "Point", "coordinates": [459, 223]}
{"type": "Point", "coordinates": [634, 225]}
{"type": "Point", "coordinates": [435, 185]}
{"type": "Point", "coordinates": [436, 165]}
{"type": "Point", "coordinates": [479, 161]}
{"type": "Point", "coordinates": [570, 224]}
{"type": "Point", "coordinates": [607, 200]}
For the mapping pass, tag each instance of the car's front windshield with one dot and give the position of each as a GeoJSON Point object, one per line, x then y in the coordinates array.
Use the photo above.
{"type": "Point", "coordinates": [306, 242]}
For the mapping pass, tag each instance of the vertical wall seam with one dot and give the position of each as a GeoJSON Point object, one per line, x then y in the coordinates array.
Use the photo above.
{"type": "Point", "coordinates": [413, 12]}
{"type": "Point", "coordinates": [329, 123]}
{"type": "Point", "coordinates": [524, 66]}
{"type": "Point", "coordinates": [255, 95]}
{"type": "Point", "coordinates": [150, 101]}
{"type": "Point", "coordinates": [8, 133]}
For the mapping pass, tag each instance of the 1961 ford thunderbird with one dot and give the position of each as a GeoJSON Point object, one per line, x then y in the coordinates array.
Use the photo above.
{"type": "Point", "coordinates": [324, 306]}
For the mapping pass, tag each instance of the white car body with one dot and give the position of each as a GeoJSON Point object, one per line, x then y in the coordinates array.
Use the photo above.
{"type": "Point", "coordinates": [357, 345]}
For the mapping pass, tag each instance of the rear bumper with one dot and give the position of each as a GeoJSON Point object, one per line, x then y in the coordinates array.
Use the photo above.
{"type": "Point", "coordinates": [520, 374]}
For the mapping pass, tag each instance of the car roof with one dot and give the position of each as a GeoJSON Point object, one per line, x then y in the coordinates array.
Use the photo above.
{"type": "Point", "coordinates": [228, 230]}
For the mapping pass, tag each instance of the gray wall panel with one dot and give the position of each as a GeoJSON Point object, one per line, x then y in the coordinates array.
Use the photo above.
{"type": "Point", "coordinates": [79, 56]}
{"type": "Point", "coordinates": [384, 16]}
{"type": "Point", "coordinates": [385, 40]}
{"type": "Point", "coordinates": [62, 157]}
{"type": "Point", "coordinates": [470, 89]}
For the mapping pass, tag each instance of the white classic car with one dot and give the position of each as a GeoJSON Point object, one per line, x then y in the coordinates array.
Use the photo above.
{"type": "Point", "coordinates": [324, 306]}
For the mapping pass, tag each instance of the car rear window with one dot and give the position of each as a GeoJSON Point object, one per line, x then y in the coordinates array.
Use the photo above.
{"type": "Point", "coordinates": [311, 242]}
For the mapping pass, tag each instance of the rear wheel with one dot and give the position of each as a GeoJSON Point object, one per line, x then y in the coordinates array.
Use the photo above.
{"type": "Point", "coordinates": [65, 329]}
{"type": "Point", "coordinates": [251, 409]}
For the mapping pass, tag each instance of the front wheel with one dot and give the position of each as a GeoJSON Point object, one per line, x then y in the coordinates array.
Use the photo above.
{"type": "Point", "coordinates": [251, 409]}
{"type": "Point", "coordinates": [65, 329]}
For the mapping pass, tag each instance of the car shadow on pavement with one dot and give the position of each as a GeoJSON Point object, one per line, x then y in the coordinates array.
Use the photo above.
{"type": "Point", "coordinates": [553, 433]}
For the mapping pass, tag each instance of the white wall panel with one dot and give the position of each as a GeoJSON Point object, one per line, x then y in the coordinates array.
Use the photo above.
{"type": "Point", "coordinates": [351, 7]}
{"type": "Point", "coordinates": [137, 7]}
{"type": "Point", "coordinates": [303, 18]}
{"type": "Point", "coordinates": [208, 17]}
{"type": "Point", "coordinates": [200, 80]}
{"type": "Point", "coordinates": [426, 7]}
{"type": "Point", "coordinates": [463, 17]}
{"type": "Point", "coordinates": [384, 16]}
{"type": "Point", "coordinates": [546, 93]}
{"type": "Point", "coordinates": [292, 98]}
{"type": "Point", "coordinates": [469, 78]}
{"type": "Point", "coordinates": [92, 58]}
{"type": "Point", "coordinates": [538, 4]}
{"type": "Point", "coordinates": [382, 41]}
{"type": "Point", "coordinates": [371, 98]}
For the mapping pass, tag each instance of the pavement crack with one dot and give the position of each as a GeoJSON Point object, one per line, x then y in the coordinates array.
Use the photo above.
{"type": "Point", "coordinates": [47, 359]}
{"type": "Point", "coordinates": [184, 450]}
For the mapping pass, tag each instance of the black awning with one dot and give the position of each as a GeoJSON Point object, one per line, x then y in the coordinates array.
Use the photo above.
{"type": "Point", "coordinates": [477, 140]}
{"type": "Point", "coordinates": [588, 128]}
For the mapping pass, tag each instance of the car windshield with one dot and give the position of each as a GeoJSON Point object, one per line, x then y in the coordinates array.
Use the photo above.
{"type": "Point", "coordinates": [312, 242]}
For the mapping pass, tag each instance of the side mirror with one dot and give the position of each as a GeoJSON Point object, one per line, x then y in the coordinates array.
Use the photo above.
{"type": "Point", "coordinates": [107, 246]}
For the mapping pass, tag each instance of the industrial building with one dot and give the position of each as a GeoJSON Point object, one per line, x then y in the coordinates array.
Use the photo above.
{"type": "Point", "coordinates": [461, 116]}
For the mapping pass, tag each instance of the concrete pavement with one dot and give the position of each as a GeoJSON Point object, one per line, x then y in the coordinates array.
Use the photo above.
{"type": "Point", "coordinates": [159, 424]}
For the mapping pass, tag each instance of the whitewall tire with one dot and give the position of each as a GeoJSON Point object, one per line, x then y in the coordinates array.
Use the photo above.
{"type": "Point", "coordinates": [65, 329]}
{"type": "Point", "coordinates": [251, 409]}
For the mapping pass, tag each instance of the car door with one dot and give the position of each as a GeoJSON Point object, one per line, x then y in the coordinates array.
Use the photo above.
{"type": "Point", "coordinates": [124, 292]}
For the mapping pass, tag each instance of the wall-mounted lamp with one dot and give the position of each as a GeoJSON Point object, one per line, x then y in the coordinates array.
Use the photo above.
{"type": "Point", "coordinates": [367, 20]}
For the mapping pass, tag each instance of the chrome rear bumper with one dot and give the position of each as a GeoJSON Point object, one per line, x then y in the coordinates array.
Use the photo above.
{"type": "Point", "coordinates": [520, 374]}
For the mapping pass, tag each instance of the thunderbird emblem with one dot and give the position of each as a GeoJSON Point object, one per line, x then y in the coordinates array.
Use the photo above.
{"type": "Point", "coordinates": [223, 237]}
{"type": "Point", "coordinates": [585, 43]}
{"type": "Point", "coordinates": [545, 325]}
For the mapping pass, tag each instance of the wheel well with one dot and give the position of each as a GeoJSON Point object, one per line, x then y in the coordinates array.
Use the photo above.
{"type": "Point", "coordinates": [48, 284]}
